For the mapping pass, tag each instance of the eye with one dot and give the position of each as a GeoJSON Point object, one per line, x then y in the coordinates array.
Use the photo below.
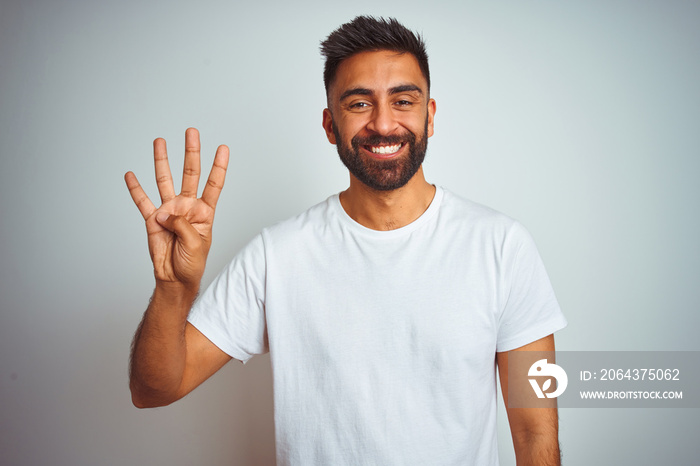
{"type": "Point", "coordinates": [404, 103]}
{"type": "Point", "coordinates": [359, 105]}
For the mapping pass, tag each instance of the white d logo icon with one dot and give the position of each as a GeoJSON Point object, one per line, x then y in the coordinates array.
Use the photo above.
{"type": "Point", "coordinates": [542, 368]}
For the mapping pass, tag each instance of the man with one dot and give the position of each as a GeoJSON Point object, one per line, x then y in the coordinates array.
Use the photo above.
{"type": "Point", "coordinates": [384, 308]}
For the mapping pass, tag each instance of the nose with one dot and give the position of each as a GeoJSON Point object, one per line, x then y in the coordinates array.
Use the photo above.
{"type": "Point", "coordinates": [383, 121]}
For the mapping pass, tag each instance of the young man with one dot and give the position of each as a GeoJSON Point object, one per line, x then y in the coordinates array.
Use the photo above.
{"type": "Point", "coordinates": [384, 308]}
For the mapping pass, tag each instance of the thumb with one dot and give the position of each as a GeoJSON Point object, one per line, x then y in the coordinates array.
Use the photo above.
{"type": "Point", "coordinates": [162, 218]}
{"type": "Point", "coordinates": [178, 225]}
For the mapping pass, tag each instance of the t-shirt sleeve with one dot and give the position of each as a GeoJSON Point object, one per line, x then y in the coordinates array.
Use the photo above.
{"type": "Point", "coordinates": [231, 312]}
{"type": "Point", "coordinates": [531, 310]}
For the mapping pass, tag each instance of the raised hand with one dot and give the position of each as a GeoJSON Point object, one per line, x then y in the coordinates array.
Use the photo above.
{"type": "Point", "coordinates": [179, 231]}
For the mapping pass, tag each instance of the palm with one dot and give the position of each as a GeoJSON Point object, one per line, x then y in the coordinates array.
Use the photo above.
{"type": "Point", "coordinates": [179, 249]}
{"type": "Point", "coordinates": [170, 257]}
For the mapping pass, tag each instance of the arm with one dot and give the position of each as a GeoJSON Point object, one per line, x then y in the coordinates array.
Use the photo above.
{"type": "Point", "coordinates": [535, 431]}
{"type": "Point", "coordinates": [169, 357]}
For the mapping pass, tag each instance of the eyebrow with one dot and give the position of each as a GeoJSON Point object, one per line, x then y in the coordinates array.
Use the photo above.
{"type": "Point", "coordinates": [405, 88]}
{"type": "Point", "coordinates": [355, 91]}
{"type": "Point", "coordinates": [392, 91]}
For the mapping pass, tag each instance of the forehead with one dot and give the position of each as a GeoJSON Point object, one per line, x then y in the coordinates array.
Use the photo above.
{"type": "Point", "coordinates": [378, 71]}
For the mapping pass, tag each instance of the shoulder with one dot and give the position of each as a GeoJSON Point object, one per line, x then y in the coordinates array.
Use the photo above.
{"type": "Point", "coordinates": [310, 221]}
{"type": "Point", "coordinates": [459, 213]}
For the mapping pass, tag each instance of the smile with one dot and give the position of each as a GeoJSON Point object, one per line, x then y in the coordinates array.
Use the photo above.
{"type": "Point", "coordinates": [384, 150]}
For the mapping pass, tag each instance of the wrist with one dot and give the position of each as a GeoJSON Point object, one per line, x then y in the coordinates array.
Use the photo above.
{"type": "Point", "coordinates": [175, 293]}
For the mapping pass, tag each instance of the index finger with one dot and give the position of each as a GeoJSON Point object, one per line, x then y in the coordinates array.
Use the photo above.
{"type": "Point", "coordinates": [215, 182]}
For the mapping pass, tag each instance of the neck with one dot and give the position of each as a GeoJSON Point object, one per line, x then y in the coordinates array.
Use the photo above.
{"type": "Point", "coordinates": [387, 210]}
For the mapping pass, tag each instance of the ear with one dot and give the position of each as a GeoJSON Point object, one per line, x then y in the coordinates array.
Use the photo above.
{"type": "Point", "coordinates": [328, 125]}
{"type": "Point", "coordinates": [431, 115]}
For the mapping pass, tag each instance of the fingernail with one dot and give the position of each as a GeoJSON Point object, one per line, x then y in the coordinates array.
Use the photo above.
{"type": "Point", "coordinates": [162, 217]}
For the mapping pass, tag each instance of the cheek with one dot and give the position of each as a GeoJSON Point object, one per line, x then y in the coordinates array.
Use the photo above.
{"type": "Point", "coordinates": [346, 132]}
{"type": "Point", "coordinates": [413, 121]}
{"type": "Point", "coordinates": [338, 137]}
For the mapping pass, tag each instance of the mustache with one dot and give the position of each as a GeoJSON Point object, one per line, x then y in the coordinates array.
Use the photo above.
{"type": "Point", "coordinates": [379, 140]}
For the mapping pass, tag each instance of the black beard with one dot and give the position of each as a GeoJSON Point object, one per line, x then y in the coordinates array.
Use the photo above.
{"type": "Point", "coordinates": [383, 175]}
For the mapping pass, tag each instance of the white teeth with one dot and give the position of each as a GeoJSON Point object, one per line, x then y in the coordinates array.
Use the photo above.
{"type": "Point", "coordinates": [385, 149]}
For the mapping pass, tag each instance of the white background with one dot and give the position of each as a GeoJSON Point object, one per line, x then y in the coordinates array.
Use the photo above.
{"type": "Point", "coordinates": [580, 119]}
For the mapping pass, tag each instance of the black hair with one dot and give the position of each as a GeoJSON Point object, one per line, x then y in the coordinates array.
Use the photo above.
{"type": "Point", "coordinates": [366, 33]}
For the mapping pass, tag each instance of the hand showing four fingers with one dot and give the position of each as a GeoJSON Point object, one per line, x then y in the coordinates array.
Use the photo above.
{"type": "Point", "coordinates": [179, 231]}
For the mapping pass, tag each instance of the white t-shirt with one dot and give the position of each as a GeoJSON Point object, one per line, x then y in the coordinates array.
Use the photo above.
{"type": "Point", "coordinates": [383, 342]}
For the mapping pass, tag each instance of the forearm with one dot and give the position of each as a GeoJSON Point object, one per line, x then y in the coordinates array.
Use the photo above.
{"type": "Point", "coordinates": [159, 351]}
